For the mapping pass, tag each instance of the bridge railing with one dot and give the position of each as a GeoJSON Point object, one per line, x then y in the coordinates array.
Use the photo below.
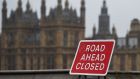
{"type": "Point", "coordinates": [63, 74]}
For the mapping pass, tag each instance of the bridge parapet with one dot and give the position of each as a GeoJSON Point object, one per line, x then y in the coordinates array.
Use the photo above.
{"type": "Point", "coordinates": [63, 74]}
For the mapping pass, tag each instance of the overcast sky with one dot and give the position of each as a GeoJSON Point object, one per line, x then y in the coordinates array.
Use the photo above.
{"type": "Point", "coordinates": [121, 12]}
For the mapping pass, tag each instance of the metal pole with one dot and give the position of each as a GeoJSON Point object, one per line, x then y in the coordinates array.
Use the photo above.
{"type": "Point", "coordinates": [98, 77]}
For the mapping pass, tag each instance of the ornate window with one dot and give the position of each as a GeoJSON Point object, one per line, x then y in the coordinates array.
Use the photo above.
{"type": "Point", "coordinates": [122, 62]}
{"type": "Point", "coordinates": [11, 60]}
{"type": "Point", "coordinates": [31, 58]}
{"type": "Point", "coordinates": [133, 62]}
{"type": "Point", "coordinates": [23, 57]}
{"type": "Point", "coordinates": [65, 61]}
{"type": "Point", "coordinates": [50, 60]}
{"type": "Point", "coordinates": [51, 37]}
{"type": "Point", "coordinates": [65, 38]}
{"type": "Point", "coordinates": [76, 38]}
{"type": "Point", "coordinates": [45, 61]}
{"type": "Point", "coordinates": [38, 58]}
{"type": "Point", "coordinates": [121, 42]}
{"type": "Point", "coordinates": [133, 42]}
{"type": "Point", "coordinates": [28, 39]}
{"type": "Point", "coordinates": [37, 38]}
{"type": "Point", "coordinates": [10, 39]}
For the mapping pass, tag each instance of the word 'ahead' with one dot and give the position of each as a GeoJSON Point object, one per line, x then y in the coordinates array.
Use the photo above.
{"type": "Point", "coordinates": [93, 57]}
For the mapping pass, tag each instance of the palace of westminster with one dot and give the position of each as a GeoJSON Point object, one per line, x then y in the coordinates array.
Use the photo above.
{"type": "Point", "coordinates": [30, 43]}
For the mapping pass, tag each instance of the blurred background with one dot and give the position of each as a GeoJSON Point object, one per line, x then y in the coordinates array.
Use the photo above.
{"type": "Point", "coordinates": [41, 36]}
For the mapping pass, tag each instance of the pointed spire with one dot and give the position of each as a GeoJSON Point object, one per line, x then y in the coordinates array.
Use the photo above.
{"type": "Point", "coordinates": [4, 9]}
{"type": "Point", "coordinates": [28, 5]}
{"type": "Point", "coordinates": [83, 12]}
{"type": "Point", "coordinates": [94, 30]}
{"type": "Point", "coordinates": [114, 32]}
{"type": "Point", "coordinates": [67, 4]}
{"type": "Point", "coordinates": [104, 8]}
{"type": "Point", "coordinates": [59, 8]}
{"type": "Point", "coordinates": [60, 4]}
{"type": "Point", "coordinates": [83, 3]}
{"type": "Point", "coordinates": [43, 8]}
{"type": "Point", "coordinates": [4, 4]}
{"type": "Point", "coordinates": [113, 29]}
{"type": "Point", "coordinates": [19, 9]}
{"type": "Point", "coordinates": [104, 3]}
{"type": "Point", "coordinates": [4, 13]}
{"type": "Point", "coordinates": [43, 3]}
{"type": "Point", "coordinates": [19, 4]}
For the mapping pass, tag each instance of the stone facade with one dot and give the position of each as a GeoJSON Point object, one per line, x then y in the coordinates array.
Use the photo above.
{"type": "Point", "coordinates": [126, 55]}
{"type": "Point", "coordinates": [29, 43]}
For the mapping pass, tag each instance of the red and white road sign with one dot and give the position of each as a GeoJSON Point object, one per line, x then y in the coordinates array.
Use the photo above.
{"type": "Point", "coordinates": [93, 57]}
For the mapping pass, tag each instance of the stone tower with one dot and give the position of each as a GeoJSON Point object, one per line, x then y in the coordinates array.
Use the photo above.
{"type": "Point", "coordinates": [104, 21]}
{"type": "Point", "coordinates": [4, 13]}
{"type": "Point", "coordinates": [83, 10]}
{"type": "Point", "coordinates": [104, 25]}
{"type": "Point", "coordinates": [19, 35]}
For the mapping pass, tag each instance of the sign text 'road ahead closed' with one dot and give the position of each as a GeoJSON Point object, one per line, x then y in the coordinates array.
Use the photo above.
{"type": "Point", "coordinates": [93, 57]}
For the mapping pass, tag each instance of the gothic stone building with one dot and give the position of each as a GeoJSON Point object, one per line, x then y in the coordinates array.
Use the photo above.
{"type": "Point", "coordinates": [126, 57]}
{"type": "Point", "coordinates": [29, 43]}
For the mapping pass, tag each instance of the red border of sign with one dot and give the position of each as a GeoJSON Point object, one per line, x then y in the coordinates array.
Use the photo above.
{"type": "Point", "coordinates": [112, 40]}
